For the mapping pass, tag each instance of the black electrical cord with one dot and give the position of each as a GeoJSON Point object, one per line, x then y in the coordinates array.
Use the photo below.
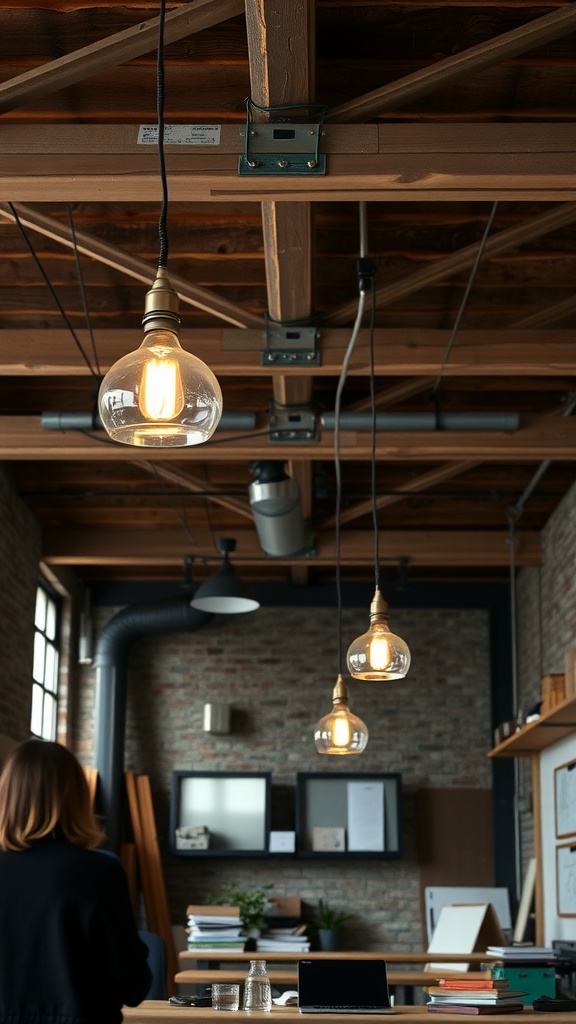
{"type": "Point", "coordinates": [83, 290]}
{"type": "Point", "coordinates": [465, 297]}
{"type": "Point", "coordinates": [52, 291]}
{"type": "Point", "coordinates": [160, 76]}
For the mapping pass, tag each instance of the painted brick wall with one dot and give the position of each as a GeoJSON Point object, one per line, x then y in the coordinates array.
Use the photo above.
{"type": "Point", "coordinates": [277, 668]}
{"type": "Point", "coordinates": [19, 558]}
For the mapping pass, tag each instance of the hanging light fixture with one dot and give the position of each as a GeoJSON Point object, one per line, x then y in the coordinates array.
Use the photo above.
{"type": "Point", "coordinates": [225, 593]}
{"type": "Point", "coordinates": [377, 654]}
{"type": "Point", "coordinates": [160, 395]}
{"type": "Point", "coordinates": [340, 732]}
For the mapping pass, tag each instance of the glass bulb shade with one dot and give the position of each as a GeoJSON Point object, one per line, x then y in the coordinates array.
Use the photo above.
{"type": "Point", "coordinates": [160, 395]}
{"type": "Point", "coordinates": [340, 732]}
{"type": "Point", "coordinates": [378, 655]}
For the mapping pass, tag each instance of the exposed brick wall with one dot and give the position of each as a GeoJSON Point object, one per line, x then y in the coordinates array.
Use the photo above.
{"type": "Point", "coordinates": [277, 668]}
{"type": "Point", "coordinates": [19, 558]}
{"type": "Point", "coordinates": [546, 599]}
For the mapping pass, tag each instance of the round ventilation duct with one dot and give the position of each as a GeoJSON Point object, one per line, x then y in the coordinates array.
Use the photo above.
{"type": "Point", "coordinates": [275, 502]}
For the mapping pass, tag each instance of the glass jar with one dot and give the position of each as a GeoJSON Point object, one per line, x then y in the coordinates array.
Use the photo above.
{"type": "Point", "coordinates": [257, 992]}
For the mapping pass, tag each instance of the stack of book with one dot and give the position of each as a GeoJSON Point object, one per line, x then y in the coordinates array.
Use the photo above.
{"type": "Point", "coordinates": [284, 940]}
{"type": "Point", "coordinates": [214, 929]}
{"type": "Point", "coordinates": [528, 954]}
{"type": "Point", "coordinates": [458, 995]}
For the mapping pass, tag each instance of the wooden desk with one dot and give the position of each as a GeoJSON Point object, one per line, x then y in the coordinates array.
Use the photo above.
{"type": "Point", "coordinates": [288, 976]}
{"type": "Point", "coordinates": [162, 1013]}
{"type": "Point", "coordinates": [421, 957]}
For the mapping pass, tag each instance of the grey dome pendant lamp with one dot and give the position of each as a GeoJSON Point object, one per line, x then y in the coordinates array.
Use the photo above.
{"type": "Point", "coordinates": [225, 593]}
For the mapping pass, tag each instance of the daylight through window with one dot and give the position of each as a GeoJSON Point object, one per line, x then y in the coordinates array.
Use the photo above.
{"type": "Point", "coordinates": [43, 717]}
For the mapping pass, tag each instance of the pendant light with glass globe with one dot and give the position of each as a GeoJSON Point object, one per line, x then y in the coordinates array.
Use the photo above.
{"type": "Point", "coordinates": [160, 395]}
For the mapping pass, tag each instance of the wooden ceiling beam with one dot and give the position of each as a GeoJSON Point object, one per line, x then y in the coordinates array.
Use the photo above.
{"type": "Point", "coordinates": [398, 352]}
{"type": "Point", "coordinates": [463, 259]}
{"type": "Point", "coordinates": [114, 50]}
{"type": "Point", "coordinates": [166, 547]}
{"type": "Point", "coordinates": [461, 65]}
{"type": "Point", "coordinates": [412, 486]}
{"type": "Point", "coordinates": [400, 162]}
{"type": "Point", "coordinates": [540, 437]}
{"type": "Point", "coordinates": [281, 48]}
{"type": "Point", "coordinates": [127, 264]}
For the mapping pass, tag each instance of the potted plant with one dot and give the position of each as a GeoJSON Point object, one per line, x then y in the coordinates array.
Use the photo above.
{"type": "Point", "coordinates": [252, 904]}
{"type": "Point", "coordinates": [327, 924]}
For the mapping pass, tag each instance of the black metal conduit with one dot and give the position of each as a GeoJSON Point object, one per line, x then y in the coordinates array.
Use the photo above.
{"type": "Point", "coordinates": [111, 661]}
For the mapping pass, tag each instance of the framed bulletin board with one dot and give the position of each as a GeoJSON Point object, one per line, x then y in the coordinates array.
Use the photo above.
{"type": "Point", "coordinates": [565, 799]}
{"type": "Point", "coordinates": [566, 879]}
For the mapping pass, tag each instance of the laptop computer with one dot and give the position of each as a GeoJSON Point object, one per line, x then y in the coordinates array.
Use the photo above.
{"type": "Point", "coordinates": [343, 986]}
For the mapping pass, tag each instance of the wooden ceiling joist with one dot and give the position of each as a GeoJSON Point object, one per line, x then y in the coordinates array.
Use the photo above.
{"type": "Point", "coordinates": [166, 547]}
{"type": "Point", "coordinates": [402, 162]}
{"type": "Point", "coordinates": [398, 352]}
{"type": "Point", "coordinates": [23, 437]}
{"type": "Point", "coordinates": [461, 65]}
{"type": "Point", "coordinates": [115, 49]}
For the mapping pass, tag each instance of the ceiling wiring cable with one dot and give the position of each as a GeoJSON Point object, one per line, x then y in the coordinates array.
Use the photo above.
{"type": "Point", "coordinates": [80, 277]}
{"type": "Point", "coordinates": [465, 297]}
{"type": "Point", "coordinates": [51, 289]}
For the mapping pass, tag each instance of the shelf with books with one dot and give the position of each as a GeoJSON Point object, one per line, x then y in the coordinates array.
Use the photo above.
{"type": "Point", "coordinates": [550, 727]}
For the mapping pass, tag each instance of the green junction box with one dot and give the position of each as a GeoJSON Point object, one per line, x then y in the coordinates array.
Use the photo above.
{"type": "Point", "coordinates": [534, 980]}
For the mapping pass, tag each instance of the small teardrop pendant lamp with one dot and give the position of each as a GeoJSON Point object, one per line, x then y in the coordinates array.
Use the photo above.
{"type": "Point", "coordinates": [378, 654]}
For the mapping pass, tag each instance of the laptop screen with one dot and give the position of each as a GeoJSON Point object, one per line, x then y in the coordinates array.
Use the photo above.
{"type": "Point", "coordinates": [343, 983]}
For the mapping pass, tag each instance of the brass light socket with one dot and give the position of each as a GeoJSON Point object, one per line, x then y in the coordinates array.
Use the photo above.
{"type": "Point", "coordinates": [379, 608]}
{"type": "Point", "coordinates": [161, 305]}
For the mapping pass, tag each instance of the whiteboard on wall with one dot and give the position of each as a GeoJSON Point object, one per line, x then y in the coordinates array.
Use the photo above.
{"type": "Point", "coordinates": [556, 926]}
{"type": "Point", "coordinates": [438, 896]}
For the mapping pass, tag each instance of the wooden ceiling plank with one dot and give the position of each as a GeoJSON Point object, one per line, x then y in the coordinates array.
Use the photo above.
{"type": "Point", "coordinates": [461, 65]}
{"type": "Point", "coordinates": [540, 437]}
{"type": "Point", "coordinates": [391, 396]}
{"type": "Point", "coordinates": [134, 267]}
{"type": "Point", "coordinates": [549, 315]}
{"type": "Point", "coordinates": [399, 352]}
{"type": "Point", "coordinates": [165, 547]}
{"type": "Point", "coordinates": [412, 486]}
{"type": "Point", "coordinates": [195, 485]}
{"type": "Point", "coordinates": [114, 50]}
{"type": "Point", "coordinates": [462, 259]}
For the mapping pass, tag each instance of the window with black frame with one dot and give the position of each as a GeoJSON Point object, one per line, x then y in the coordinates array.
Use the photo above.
{"type": "Point", "coordinates": [44, 707]}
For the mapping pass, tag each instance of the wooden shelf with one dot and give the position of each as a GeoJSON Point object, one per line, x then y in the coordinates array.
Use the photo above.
{"type": "Point", "coordinates": [537, 735]}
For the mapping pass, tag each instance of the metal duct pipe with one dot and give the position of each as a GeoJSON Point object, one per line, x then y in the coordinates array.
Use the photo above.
{"type": "Point", "coordinates": [424, 421]}
{"type": "Point", "coordinates": [91, 421]}
{"type": "Point", "coordinates": [111, 660]}
{"type": "Point", "coordinates": [275, 503]}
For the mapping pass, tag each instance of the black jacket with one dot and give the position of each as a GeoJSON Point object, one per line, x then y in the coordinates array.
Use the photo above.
{"type": "Point", "coordinates": [69, 948]}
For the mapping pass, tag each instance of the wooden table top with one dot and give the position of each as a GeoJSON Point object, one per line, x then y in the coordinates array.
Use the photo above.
{"type": "Point", "coordinates": [162, 1013]}
{"type": "Point", "coordinates": [421, 957]}
{"type": "Point", "coordinates": [289, 975]}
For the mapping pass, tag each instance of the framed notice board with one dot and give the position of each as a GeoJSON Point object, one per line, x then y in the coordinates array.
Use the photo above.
{"type": "Point", "coordinates": [565, 799]}
{"type": "Point", "coordinates": [566, 879]}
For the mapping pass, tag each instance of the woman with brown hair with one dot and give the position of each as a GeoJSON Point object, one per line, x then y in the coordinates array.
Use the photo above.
{"type": "Point", "coordinates": [69, 948]}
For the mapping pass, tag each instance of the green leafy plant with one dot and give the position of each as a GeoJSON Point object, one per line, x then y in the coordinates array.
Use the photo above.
{"type": "Point", "coordinates": [326, 918]}
{"type": "Point", "coordinates": [252, 903]}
